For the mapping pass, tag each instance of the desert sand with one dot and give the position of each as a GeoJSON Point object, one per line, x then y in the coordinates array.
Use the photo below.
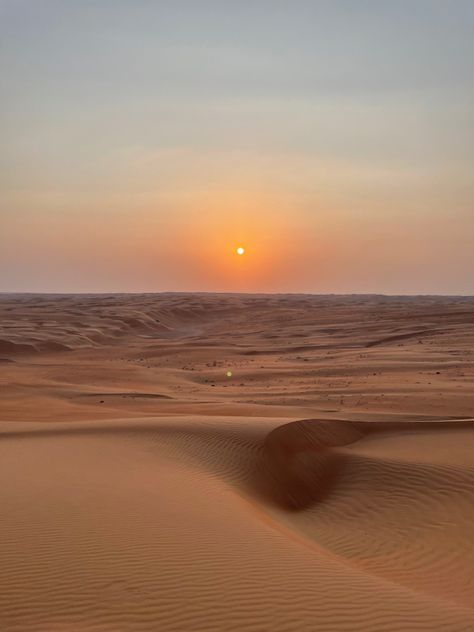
{"type": "Point", "coordinates": [326, 483]}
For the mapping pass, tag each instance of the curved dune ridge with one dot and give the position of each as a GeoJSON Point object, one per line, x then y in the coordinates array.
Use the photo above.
{"type": "Point", "coordinates": [193, 523]}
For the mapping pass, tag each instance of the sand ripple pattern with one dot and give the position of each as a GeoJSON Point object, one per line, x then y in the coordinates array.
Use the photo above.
{"type": "Point", "coordinates": [219, 524]}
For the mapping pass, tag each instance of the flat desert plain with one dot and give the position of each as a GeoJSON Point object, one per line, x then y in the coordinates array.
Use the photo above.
{"type": "Point", "coordinates": [210, 462]}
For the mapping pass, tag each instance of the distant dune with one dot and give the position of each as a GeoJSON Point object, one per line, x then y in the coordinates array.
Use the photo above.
{"type": "Point", "coordinates": [326, 483]}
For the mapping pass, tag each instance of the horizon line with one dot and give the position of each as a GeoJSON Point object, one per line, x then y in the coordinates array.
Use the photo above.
{"type": "Point", "coordinates": [222, 293]}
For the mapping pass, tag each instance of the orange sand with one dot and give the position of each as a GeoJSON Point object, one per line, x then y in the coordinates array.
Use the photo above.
{"type": "Point", "coordinates": [327, 485]}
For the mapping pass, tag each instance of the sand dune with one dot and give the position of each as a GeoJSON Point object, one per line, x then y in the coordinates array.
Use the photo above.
{"type": "Point", "coordinates": [327, 486]}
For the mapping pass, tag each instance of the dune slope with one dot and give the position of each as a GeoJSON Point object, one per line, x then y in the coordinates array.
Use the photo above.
{"type": "Point", "coordinates": [195, 525]}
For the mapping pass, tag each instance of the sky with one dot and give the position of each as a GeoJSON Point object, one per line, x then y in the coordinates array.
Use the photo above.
{"type": "Point", "coordinates": [143, 141]}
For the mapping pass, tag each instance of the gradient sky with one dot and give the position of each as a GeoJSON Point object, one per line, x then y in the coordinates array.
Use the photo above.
{"type": "Point", "coordinates": [144, 140]}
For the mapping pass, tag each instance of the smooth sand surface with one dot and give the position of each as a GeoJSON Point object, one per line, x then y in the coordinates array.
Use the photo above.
{"type": "Point", "coordinates": [327, 484]}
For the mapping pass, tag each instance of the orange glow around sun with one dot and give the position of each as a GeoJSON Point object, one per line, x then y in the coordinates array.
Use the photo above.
{"type": "Point", "coordinates": [220, 232]}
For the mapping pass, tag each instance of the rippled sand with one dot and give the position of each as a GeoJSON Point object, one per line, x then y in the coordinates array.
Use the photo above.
{"type": "Point", "coordinates": [327, 484]}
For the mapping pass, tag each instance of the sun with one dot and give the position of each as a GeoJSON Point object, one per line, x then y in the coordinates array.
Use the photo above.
{"type": "Point", "coordinates": [240, 251]}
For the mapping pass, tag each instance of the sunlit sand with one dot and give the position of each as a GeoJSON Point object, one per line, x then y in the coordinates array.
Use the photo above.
{"type": "Point", "coordinates": [235, 462]}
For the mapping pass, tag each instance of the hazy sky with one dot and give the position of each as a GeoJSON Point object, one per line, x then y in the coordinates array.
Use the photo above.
{"type": "Point", "coordinates": [142, 141]}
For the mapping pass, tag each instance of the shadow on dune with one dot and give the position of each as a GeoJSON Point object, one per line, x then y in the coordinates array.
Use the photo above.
{"type": "Point", "coordinates": [301, 460]}
{"type": "Point", "coordinates": [306, 461]}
